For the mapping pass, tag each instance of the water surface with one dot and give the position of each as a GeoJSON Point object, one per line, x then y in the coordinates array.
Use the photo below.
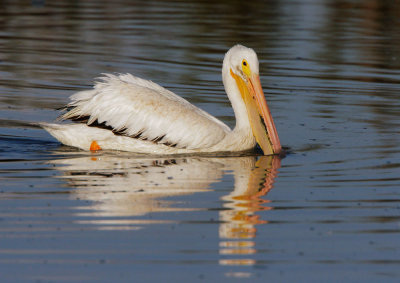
{"type": "Point", "coordinates": [328, 211]}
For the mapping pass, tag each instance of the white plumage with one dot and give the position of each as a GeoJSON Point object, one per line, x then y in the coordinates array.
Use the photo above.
{"type": "Point", "coordinates": [131, 105]}
{"type": "Point", "coordinates": [123, 112]}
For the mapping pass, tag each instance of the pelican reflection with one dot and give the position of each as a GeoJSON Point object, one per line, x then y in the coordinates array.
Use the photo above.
{"type": "Point", "coordinates": [121, 190]}
{"type": "Point", "coordinates": [120, 186]}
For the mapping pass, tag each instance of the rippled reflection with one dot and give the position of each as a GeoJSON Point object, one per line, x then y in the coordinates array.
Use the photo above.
{"type": "Point", "coordinates": [117, 186]}
{"type": "Point", "coordinates": [120, 189]}
{"type": "Point", "coordinates": [238, 230]}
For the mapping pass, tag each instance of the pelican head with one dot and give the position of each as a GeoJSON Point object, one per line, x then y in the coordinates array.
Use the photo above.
{"type": "Point", "coordinates": [242, 84]}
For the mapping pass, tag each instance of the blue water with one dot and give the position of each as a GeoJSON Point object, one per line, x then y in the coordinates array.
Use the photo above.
{"type": "Point", "coordinates": [327, 212]}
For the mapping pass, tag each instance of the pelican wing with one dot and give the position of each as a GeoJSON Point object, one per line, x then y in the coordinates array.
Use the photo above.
{"type": "Point", "coordinates": [141, 109]}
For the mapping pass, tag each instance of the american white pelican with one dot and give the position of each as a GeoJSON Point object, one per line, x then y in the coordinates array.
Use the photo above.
{"type": "Point", "coordinates": [123, 112]}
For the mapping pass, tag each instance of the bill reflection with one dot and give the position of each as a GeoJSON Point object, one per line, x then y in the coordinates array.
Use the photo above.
{"type": "Point", "coordinates": [240, 219]}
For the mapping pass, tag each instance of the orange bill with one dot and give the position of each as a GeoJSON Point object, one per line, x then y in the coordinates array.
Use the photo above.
{"type": "Point", "coordinates": [260, 117]}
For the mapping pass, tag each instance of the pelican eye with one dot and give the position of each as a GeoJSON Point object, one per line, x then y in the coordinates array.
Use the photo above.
{"type": "Point", "coordinates": [246, 68]}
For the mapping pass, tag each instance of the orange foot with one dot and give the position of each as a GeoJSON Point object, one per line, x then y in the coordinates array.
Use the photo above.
{"type": "Point", "coordinates": [94, 146]}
